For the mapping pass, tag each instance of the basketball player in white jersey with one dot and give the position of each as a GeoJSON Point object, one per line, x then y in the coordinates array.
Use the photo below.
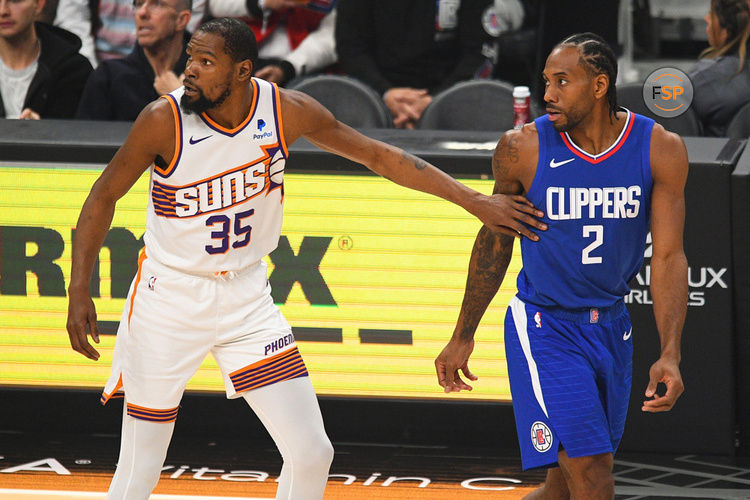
{"type": "Point", "coordinates": [216, 151]}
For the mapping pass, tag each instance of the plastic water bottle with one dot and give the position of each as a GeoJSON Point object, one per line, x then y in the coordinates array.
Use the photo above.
{"type": "Point", "coordinates": [521, 106]}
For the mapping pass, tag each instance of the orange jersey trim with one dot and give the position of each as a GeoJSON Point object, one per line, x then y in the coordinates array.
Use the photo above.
{"type": "Point", "coordinates": [283, 366]}
{"type": "Point", "coordinates": [234, 131]}
{"type": "Point", "coordinates": [279, 119]}
{"type": "Point", "coordinates": [141, 258]}
{"type": "Point", "coordinates": [166, 172]}
{"type": "Point", "coordinates": [151, 414]}
{"type": "Point", "coordinates": [106, 397]}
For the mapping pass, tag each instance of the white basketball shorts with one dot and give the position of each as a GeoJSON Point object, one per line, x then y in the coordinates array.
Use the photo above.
{"type": "Point", "coordinates": [172, 320]}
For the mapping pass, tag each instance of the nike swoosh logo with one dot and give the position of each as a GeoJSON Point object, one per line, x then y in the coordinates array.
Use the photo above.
{"type": "Point", "coordinates": [196, 141]}
{"type": "Point", "coordinates": [626, 336]}
{"type": "Point", "coordinates": [553, 164]}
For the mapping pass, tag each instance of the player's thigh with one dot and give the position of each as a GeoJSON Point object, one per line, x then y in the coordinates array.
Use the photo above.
{"type": "Point", "coordinates": [169, 333]}
{"type": "Point", "coordinates": [554, 387]}
{"type": "Point", "coordinates": [256, 346]}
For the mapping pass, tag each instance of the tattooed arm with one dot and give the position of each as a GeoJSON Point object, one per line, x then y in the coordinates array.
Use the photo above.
{"type": "Point", "coordinates": [512, 165]}
{"type": "Point", "coordinates": [304, 117]}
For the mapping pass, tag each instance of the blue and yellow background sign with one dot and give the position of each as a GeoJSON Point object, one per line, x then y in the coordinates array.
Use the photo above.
{"type": "Point", "coordinates": [369, 274]}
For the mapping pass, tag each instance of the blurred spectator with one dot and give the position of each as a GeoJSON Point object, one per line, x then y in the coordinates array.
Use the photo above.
{"type": "Point", "coordinates": [41, 72]}
{"type": "Point", "coordinates": [114, 29]}
{"type": "Point", "coordinates": [408, 50]}
{"type": "Point", "coordinates": [295, 37]}
{"type": "Point", "coordinates": [75, 16]}
{"type": "Point", "coordinates": [516, 45]}
{"type": "Point", "coordinates": [721, 79]}
{"type": "Point", "coordinates": [114, 26]}
{"type": "Point", "coordinates": [120, 88]}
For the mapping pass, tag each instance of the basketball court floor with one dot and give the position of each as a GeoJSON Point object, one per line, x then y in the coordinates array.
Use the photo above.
{"type": "Point", "coordinates": [38, 466]}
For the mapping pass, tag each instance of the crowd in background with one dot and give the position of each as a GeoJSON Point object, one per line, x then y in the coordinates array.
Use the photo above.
{"type": "Point", "coordinates": [107, 59]}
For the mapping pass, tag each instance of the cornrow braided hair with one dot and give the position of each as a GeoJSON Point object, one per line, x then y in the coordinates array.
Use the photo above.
{"type": "Point", "coordinates": [598, 58]}
{"type": "Point", "coordinates": [734, 16]}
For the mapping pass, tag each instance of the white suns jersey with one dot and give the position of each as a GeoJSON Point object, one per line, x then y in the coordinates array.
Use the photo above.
{"type": "Point", "coordinates": [218, 205]}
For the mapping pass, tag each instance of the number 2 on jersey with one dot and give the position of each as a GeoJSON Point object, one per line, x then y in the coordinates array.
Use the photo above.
{"type": "Point", "coordinates": [223, 234]}
{"type": "Point", "coordinates": [598, 232]}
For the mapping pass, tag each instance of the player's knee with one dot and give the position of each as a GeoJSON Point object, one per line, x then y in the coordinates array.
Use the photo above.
{"type": "Point", "coordinates": [322, 453]}
{"type": "Point", "coordinates": [318, 455]}
{"type": "Point", "coordinates": [595, 476]}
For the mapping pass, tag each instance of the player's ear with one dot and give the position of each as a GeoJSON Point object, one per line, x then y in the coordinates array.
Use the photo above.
{"type": "Point", "coordinates": [244, 70]}
{"type": "Point", "coordinates": [601, 85]}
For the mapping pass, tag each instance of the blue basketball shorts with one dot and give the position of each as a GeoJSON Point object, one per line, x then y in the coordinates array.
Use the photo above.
{"type": "Point", "coordinates": [570, 376]}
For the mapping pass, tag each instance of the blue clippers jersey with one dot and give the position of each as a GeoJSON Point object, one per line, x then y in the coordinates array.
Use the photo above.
{"type": "Point", "coordinates": [598, 211]}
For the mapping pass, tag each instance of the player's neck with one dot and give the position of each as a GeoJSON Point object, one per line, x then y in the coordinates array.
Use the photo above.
{"type": "Point", "coordinates": [233, 111]}
{"type": "Point", "coordinates": [599, 130]}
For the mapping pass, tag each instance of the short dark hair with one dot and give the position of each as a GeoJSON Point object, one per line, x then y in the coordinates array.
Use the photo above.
{"type": "Point", "coordinates": [185, 4]}
{"type": "Point", "coordinates": [598, 58]}
{"type": "Point", "coordinates": [239, 40]}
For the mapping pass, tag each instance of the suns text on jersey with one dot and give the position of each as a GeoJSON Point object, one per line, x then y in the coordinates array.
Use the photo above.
{"type": "Point", "coordinates": [565, 203]}
{"type": "Point", "coordinates": [220, 192]}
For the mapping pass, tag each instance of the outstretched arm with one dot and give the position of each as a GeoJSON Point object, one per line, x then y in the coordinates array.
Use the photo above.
{"type": "Point", "coordinates": [669, 270]}
{"type": "Point", "coordinates": [303, 116]}
{"type": "Point", "coordinates": [153, 129]}
{"type": "Point", "coordinates": [489, 261]}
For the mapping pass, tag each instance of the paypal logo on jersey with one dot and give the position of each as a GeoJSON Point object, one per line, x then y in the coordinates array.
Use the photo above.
{"type": "Point", "coordinates": [263, 135]}
{"type": "Point", "coordinates": [579, 203]}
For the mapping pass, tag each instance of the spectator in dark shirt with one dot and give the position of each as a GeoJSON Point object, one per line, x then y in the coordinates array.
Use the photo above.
{"type": "Point", "coordinates": [721, 79]}
{"type": "Point", "coordinates": [41, 72]}
{"type": "Point", "coordinates": [120, 88]}
{"type": "Point", "coordinates": [409, 50]}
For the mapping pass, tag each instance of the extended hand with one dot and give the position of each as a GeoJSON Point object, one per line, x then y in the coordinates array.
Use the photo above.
{"type": "Point", "coordinates": [454, 357]}
{"type": "Point", "coordinates": [665, 370]}
{"type": "Point", "coordinates": [82, 315]}
{"type": "Point", "coordinates": [510, 215]}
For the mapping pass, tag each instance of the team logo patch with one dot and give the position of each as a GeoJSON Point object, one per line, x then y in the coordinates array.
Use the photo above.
{"type": "Point", "coordinates": [538, 319]}
{"type": "Point", "coordinates": [276, 170]}
{"type": "Point", "coordinates": [490, 21]}
{"type": "Point", "coordinates": [541, 436]}
{"type": "Point", "coordinates": [152, 282]}
{"type": "Point", "coordinates": [594, 315]}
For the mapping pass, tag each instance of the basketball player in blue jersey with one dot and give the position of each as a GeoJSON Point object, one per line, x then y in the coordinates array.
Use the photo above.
{"type": "Point", "coordinates": [216, 151]}
{"type": "Point", "coordinates": [603, 176]}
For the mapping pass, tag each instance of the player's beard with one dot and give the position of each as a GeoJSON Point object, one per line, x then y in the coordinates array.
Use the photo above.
{"type": "Point", "coordinates": [202, 103]}
{"type": "Point", "coordinates": [572, 119]}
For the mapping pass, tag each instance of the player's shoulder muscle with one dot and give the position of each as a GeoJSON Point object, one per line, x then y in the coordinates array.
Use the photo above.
{"type": "Point", "coordinates": [302, 114]}
{"type": "Point", "coordinates": [154, 129]}
{"type": "Point", "coordinates": [668, 156]}
{"type": "Point", "coordinates": [516, 152]}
